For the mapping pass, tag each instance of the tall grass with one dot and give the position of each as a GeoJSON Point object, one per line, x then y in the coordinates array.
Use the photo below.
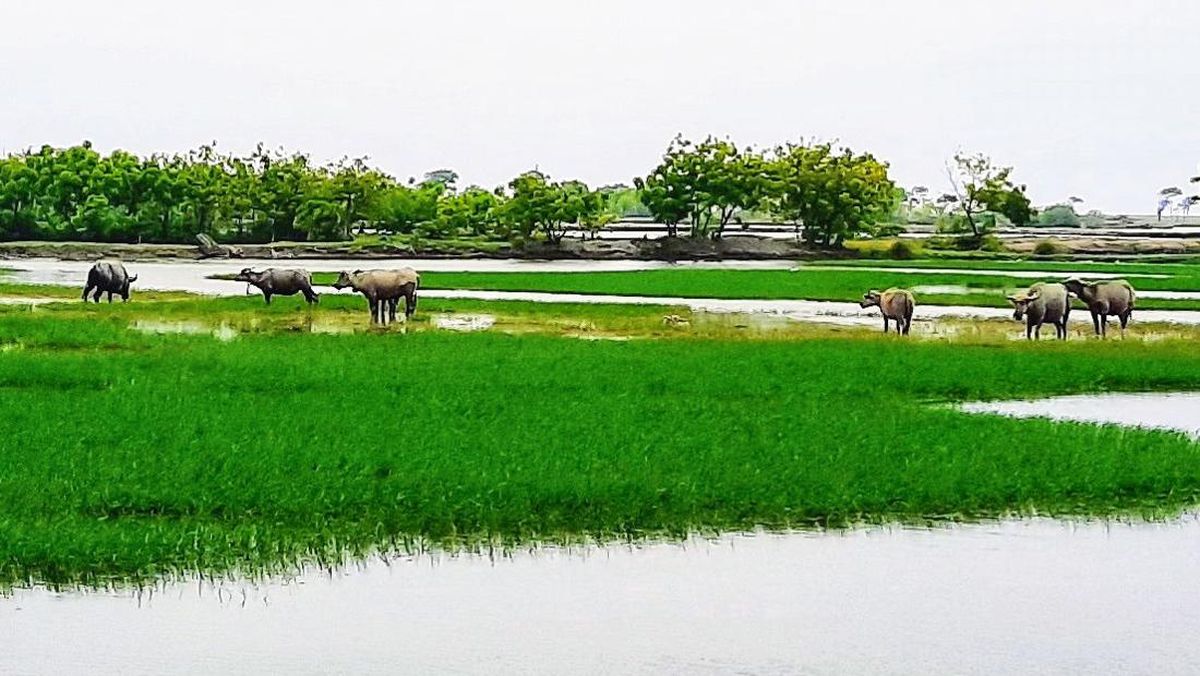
{"type": "Point", "coordinates": [842, 284]}
{"type": "Point", "coordinates": [131, 457]}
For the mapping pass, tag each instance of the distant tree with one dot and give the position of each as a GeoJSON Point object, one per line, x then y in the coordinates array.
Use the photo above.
{"type": "Point", "coordinates": [981, 186]}
{"type": "Point", "coordinates": [917, 195]}
{"type": "Point", "coordinates": [401, 208]}
{"type": "Point", "coordinates": [471, 212]}
{"type": "Point", "coordinates": [1062, 215]}
{"type": "Point", "coordinates": [538, 205]}
{"type": "Point", "coordinates": [834, 193]}
{"type": "Point", "coordinates": [447, 177]}
{"type": "Point", "coordinates": [706, 183]}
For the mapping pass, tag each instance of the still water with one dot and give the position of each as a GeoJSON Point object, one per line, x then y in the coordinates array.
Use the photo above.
{"type": "Point", "coordinates": [1018, 597]}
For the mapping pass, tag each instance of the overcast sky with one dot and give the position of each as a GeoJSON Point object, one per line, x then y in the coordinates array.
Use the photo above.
{"type": "Point", "coordinates": [1095, 98]}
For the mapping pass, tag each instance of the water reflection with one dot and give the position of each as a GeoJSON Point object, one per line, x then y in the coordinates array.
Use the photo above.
{"type": "Point", "coordinates": [1035, 596]}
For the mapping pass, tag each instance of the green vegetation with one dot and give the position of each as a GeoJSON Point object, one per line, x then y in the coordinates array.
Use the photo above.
{"type": "Point", "coordinates": [1061, 215]}
{"type": "Point", "coordinates": [131, 456]}
{"type": "Point", "coordinates": [983, 190]}
{"type": "Point", "coordinates": [77, 194]}
{"type": "Point", "coordinates": [842, 283]}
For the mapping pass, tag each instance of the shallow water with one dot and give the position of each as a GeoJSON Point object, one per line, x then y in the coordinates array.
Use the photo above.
{"type": "Point", "coordinates": [818, 311]}
{"type": "Point", "coordinates": [1020, 597]}
{"type": "Point", "coordinates": [193, 276]}
{"type": "Point", "coordinates": [223, 332]}
{"type": "Point", "coordinates": [1167, 410]}
{"type": "Point", "coordinates": [465, 323]}
{"type": "Point", "coordinates": [30, 300]}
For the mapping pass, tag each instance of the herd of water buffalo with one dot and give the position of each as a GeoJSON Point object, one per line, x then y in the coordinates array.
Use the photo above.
{"type": "Point", "coordinates": [1042, 303]}
{"type": "Point", "coordinates": [383, 289]}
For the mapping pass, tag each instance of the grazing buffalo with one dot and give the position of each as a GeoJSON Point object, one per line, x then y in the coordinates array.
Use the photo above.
{"type": "Point", "coordinates": [1043, 304]}
{"type": "Point", "coordinates": [1112, 297]}
{"type": "Point", "coordinates": [895, 304]}
{"type": "Point", "coordinates": [108, 277]}
{"type": "Point", "coordinates": [383, 290]}
{"type": "Point", "coordinates": [280, 282]}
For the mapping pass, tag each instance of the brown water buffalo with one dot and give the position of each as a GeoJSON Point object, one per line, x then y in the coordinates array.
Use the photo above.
{"type": "Point", "coordinates": [895, 304]}
{"type": "Point", "coordinates": [108, 277]}
{"type": "Point", "coordinates": [383, 290]}
{"type": "Point", "coordinates": [1042, 304]}
{"type": "Point", "coordinates": [280, 282]}
{"type": "Point", "coordinates": [1110, 297]}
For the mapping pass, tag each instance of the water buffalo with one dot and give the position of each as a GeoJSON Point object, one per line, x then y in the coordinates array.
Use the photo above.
{"type": "Point", "coordinates": [383, 290]}
{"type": "Point", "coordinates": [1042, 304]}
{"type": "Point", "coordinates": [1112, 297]}
{"type": "Point", "coordinates": [108, 277]}
{"type": "Point", "coordinates": [280, 282]}
{"type": "Point", "coordinates": [895, 304]}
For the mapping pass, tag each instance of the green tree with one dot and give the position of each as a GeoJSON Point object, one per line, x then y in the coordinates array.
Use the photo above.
{"type": "Point", "coordinates": [706, 183]}
{"type": "Point", "coordinates": [981, 186]}
{"type": "Point", "coordinates": [833, 193]}
{"type": "Point", "coordinates": [401, 208]}
{"type": "Point", "coordinates": [471, 212]}
{"type": "Point", "coordinates": [537, 205]}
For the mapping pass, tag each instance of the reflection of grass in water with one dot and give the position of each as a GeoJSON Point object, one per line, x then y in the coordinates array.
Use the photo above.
{"type": "Point", "coordinates": [846, 284]}
{"type": "Point", "coordinates": [126, 455]}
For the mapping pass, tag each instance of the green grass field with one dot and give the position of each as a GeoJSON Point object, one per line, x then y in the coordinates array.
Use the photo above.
{"type": "Point", "coordinates": [128, 457]}
{"type": "Point", "coordinates": [845, 283]}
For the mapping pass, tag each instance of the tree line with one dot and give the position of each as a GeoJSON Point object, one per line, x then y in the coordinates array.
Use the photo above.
{"type": "Point", "coordinates": [699, 189]}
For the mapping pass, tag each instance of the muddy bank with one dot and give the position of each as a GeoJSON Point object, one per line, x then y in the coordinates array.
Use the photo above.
{"type": "Point", "coordinates": [1108, 246]}
{"type": "Point", "coordinates": [734, 247]}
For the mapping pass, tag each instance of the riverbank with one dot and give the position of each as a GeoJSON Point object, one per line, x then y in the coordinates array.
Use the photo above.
{"type": "Point", "coordinates": [736, 247]}
{"type": "Point", "coordinates": [731, 247]}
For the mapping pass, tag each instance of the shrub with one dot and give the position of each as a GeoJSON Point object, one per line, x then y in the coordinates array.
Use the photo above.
{"type": "Point", "coordinates": [1047, 247]}
{"type": "Point", "coordinates": [901, 250]}
{"type": "Point", "coordinates": [1061, 215]}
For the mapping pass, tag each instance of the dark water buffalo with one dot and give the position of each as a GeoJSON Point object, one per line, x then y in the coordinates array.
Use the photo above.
{"type": "Point", "coordinates": [108, 277]}
{"type": "Point", "coordinates": [1042, 304]}
{"type": "Point", "coordinates": [383, 290]}
{"type": "Point", "coordinates": [280, 282]}
{"type": "Point", "coordinates": [895, 304]}
{"type": "Point", "coordinates": [1113, 297]}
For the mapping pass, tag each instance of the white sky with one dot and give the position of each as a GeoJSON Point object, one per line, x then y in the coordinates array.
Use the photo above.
{"type": "Point", "coordinates": [1095, 98]}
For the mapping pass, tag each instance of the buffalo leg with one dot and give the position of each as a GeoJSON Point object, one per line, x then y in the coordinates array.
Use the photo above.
{"type": "Point", "coordinates": [410, 302]}
{"type": "Point", "coordinates": [1028, 331]}
{"type": "Point", "coordinates": [110, 296]}
{"type": "Point", "coordinates": [267, 297]}
{"type": "Point", "coordinates": [1096, 323]}
{"type": "Point", "coordinates": [86, 291]}
{"type": "Point", "coordinates": [885, 324]}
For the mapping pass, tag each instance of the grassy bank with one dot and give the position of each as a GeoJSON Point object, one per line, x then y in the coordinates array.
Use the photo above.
{"type": "Point", "coordinates": [133, 456]}
{"type": "Point", "coordinates": [842, 284]}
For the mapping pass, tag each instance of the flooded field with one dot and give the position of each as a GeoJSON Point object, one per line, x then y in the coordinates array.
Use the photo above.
{"type": "Point", "coordinates": [193, 276]}
{"type": "Point", "coordinates": [196, 277]}
{"type": "Point", "coordinates": [1024, 597]}
{"type": "Point", "coordinates": [1167, 410]}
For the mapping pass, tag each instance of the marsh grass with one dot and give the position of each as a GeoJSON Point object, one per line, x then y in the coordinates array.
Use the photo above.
{"type": "Point", "coordinates": [847, 283]}
{"type": "Point", "coordinates": [128, 457]}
